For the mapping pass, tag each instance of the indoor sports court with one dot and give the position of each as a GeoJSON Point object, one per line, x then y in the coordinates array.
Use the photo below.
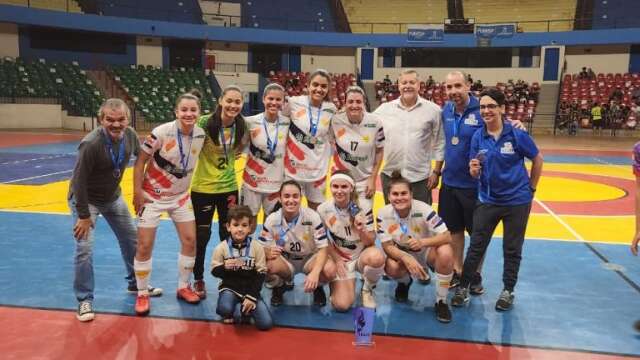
{"type": "Point", "coordinates": [577, 297]}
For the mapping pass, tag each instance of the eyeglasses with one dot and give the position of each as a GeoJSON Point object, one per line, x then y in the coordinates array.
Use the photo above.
{"type": "Point", "coordinates": [489, 106]}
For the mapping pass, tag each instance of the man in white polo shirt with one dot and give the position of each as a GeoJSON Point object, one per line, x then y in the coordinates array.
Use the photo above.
{"type": "Point", "coordinates": [414, 137]}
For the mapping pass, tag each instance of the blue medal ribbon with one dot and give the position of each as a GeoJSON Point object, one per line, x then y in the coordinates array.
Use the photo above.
{"type": "Point", "coordinates": [403, 224]}
{"type": "Point", "coordinates": [116, 160]}
{"type": "Point", "coordinates": [283, 232]}
{"type": "Point", "coordinates": [182, 156]}
{"type": "Point", "coordinates": [271, 145]}
{"type": "Point", "coordinates": [313, 126]}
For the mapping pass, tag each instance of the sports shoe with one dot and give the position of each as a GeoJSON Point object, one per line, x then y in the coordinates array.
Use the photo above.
{"type": "Point", "coordinates": [368, 297]}
{"type": "Point", "coordinates": [85, 311]}
{"type": "Point", "coordinates": [288, 285]}
{"type": "Point", "coordinates": [443, 313]}
{"type": "Point", "coordinates": [505, 300]}
{"type": "Point", "coordinates": [319, 297]}
{"type": "Point", "coordinates": [153, 291]}
{"type": "Point", "coordinates": [455, 281]}
{"type": "Point", "coordinates": [277, 296]}
{"type": "Point", "coordinates": [427, 280]}
{"type": "Point", "coordinates": [460, 297]}
{"type": "Point", "coordinates": [143, 305]}
{"type": "Point", "coordinates": [188, 295]}
{"type": "Point", "coordinates": [402, 291]}
{"type": "Point", "coordinates": [200, 289]}
{"type": "Point", "coordinates": [476, 287]}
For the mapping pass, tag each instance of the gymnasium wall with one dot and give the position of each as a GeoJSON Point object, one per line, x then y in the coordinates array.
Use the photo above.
{"type": "Point", "coordinates": [602, 59]}
{"type": "Point", "coordinates": [335, 60]}
{"type": "Point", "coordinates": [30, 116]}
{"type": "Point", "coordinates": [149, 51]}
{"type": "Point", "coordinates": [9, 40]}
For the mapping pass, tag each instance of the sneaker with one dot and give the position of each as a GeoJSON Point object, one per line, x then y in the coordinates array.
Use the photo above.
{"type": "Point", "coordinates": [455, 280]}
{"type": "Point", "coordinates": [277, 296]}
{"type": "Point", "coordinates": [200, 289]}
{"type": "Point", "coordinates": [505, 300]}
{"type": "Point", "coordinates": [319, 297]}
{"type": "Point", "coordinates": [188, 295]}
{"type": "Point", "coordinates": [153, 291]}
{"type": "Point", "coordinates": [443, 313]}
{"type": "Point", "coordinates": [427, 280]}
{"type": "Point", "coordinates": [368, 297]}
{"type": "Point", "coordinates": [386, 277]}
{"type": "Point", "coordinates": [461, 296]}
{"type": "Point", "coordinates": [85, 311]}
{"type": "Point", "coordinates": [288, 285]}
{"type": "Point", "coordinates": [402, 291]}
{"type": "Point", "coordinates": [476, 287]}
{"type": "Point", "coordinates": [143, 305]}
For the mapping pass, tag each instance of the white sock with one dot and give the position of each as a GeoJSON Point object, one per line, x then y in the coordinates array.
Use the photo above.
{"type": "Point", "coordinates": [143, 273]}
{"type": "Point", "coordinates": [442, 286]}
{"type": "Point", "coordinates": [185, 269]}
{"type": "Point", "coordinates": [404, 279]}
{"type": "Point", "coordinates": [371, 275]}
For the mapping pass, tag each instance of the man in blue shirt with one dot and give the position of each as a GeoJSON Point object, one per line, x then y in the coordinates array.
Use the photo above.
{"type": "Point", "coordinates": [458, 192]}
{"type": "Point", "coordinates": [505, 193]}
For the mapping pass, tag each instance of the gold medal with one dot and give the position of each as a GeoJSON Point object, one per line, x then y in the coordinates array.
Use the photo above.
{"type": "Point", "coordinates": [455, 140]}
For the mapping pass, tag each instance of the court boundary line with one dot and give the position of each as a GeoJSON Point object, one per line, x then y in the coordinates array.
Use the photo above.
{"type": "Point", "coordinates": [293, 327]}
{"type": "Point", "coordinates": [595, 251]}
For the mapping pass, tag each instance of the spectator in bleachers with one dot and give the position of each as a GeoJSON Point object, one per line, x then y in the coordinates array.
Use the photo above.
{"type": "Point", "coordinates": [584, 74]}
{"type": "Point", "coordinates": [430, 82]}
{"type": "Point", "coordinates": [477, 86]}
{"type": "Point", "coordinates": [590, 74]}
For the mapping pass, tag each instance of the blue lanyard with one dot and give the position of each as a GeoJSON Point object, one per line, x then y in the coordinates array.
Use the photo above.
{"type": "Point", "coordinates": [223, 141]}
{"type": "Point", "coordinates": [313, 126]}
{"type": "Point", "coordinates": [182, 157]}
{"type": "Point", "coordinates": [283, 232]}
{"type": "Point", "coordinates": [115, 160]}
{"type": "Point", "coordinates": [352, 208]}
{"type": "Point", "coordinates": [456, 123]}
{"type": "Point", "coordinates": [247, 245]}
{"type": "Point", "coordinates": [403, 224]}
{"type": "Point", "coordinates": [271, 145]}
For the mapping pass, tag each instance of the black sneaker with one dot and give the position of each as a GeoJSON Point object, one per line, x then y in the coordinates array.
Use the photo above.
{"type": "Point", "coordinates": [443, 313]}
{"type": "Point", "coordinates": [461, 296]}
{"type": "Point", "coordinates": [402, 291]}
{"type": "Point", "coordinates": [288, 285]}
{"type": "Point", "coordinates": [455, 281]}
{"type": "Point", "coordinates": [153, 291]}
{"type": "Point", "coordinates": [476, 287]}
{"type": "Point", "coordinates": [505, 300]}
{"type": "Point", "coordinates": [427, 280]}
{"type": "Point", "coordinates": [319, 297]}
{"type": "Point", "coordinates": [277, 296]}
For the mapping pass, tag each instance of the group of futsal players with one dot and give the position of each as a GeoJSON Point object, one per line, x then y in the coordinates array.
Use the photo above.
{"type": "Point", "coordinates": [186, 168]}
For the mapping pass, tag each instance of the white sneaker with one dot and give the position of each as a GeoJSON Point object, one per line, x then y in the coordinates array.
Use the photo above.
{"type": "Point", "coordinates": [85, 311]}
{"type": "Point", "coordinates": [368, 297]}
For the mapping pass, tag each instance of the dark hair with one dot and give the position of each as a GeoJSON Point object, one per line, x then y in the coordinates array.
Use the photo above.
{"type": "Point", "coordinates": [215, 122]}
{"type": "Point", "coordinates": [238, 213]}
{"type": "Point", "coordinates": [193, 94]}
{"type": "Point", "coordinates": [325, 74]}
{"type": "Point", "coordinates": [292, 183]}
{"type": "Point", "coordinates": [396, 178]}
{"type": "Point", "coordinates": [495, 94]}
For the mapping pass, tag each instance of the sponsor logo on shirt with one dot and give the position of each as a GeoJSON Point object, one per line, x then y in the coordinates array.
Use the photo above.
{"type": "Point", "coordinates": [507, 148]}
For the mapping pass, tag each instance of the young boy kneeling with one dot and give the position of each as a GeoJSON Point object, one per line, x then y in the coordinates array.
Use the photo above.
{"type": "Point", "coordinates": [241, 265]}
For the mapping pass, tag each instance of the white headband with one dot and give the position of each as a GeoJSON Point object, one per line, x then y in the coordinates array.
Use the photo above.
{"type": "Point", "coordinates": [345, 177]}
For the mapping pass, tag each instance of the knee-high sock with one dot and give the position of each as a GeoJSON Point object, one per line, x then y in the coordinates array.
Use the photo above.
{"type": "Point", "coordinates": [371, 275]}
{"type": "Point", "coordinates": [185, 268]}
{"type": "Point", "coordinates": [143, 273]}
{"type": "Point", "coordinates": [442, 286]}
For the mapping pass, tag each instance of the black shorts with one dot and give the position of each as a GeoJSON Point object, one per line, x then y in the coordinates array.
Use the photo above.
{"type": "Point", "coordinates": [597, 124]}
{"type": "Point", "coordinates": [456, 206]}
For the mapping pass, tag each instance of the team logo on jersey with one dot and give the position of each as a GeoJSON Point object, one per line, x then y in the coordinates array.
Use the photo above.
{"type": "Point", "coordinates": [300, 113]}
{"type": "Point", "coordinates": [340, 133]}
{"type": "Point", "coordinates": [170, 145]}
{"type": "Point", "coordinates": [366, 139]}
{"type": "Point", "coordinates": [392, 228]}
{"type": "Point", "coordinates": [416, 215]}
{"type": "Point", "coordinates": [325, 121]}
{"type": "Point", "coordinates": [332, 220]}
{"type": "Point", "coordinates": [369, 125]}
{"type": "Point", "coordinates": [255, 132]}
{"type": "Point", "coordinates": [471, 120]}
{"type": "Point", "coordinates": [507, 148]}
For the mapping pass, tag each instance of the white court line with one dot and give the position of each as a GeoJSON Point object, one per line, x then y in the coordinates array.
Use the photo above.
{"type": "Point", "coordinates": [36, 159]}
{"type": "Point", "coordinates": [37, 177]}
{"type": "Point", "coordinates": [558, 219]}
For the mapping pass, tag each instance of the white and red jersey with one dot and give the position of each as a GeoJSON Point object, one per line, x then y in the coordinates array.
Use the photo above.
{"type": "Point", "coordinates": [264, 171]}
{"type": "Point", "coordinates": [307, 156]}
{"type": "Point", "coordinates": [421, 222]}
{"type": "Point", "coordinates": [304, 236]}
{"type": "Point", "coordinates": [166, 177]}
{"type": "Point", "coordinates": [356, 144]}
{"type": "Point", "coordinates": [341, 232]}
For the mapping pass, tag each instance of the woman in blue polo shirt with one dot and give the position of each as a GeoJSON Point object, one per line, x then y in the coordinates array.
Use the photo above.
{"type": "Point", "coordinates": [505, 192]}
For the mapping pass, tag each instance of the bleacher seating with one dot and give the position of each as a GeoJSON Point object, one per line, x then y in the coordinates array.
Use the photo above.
{"type": "Point", "coordinates": [39, 79]}
{"type": "Point", "coordinates": [382, 16]}
{"type": "Point", "coordinates": [154, 90]}
{"type": "Point", "coordinates": [59, 5]}
{"type": "Point", "coordinates": [530, 15]}
{"type": "Point", "coordinates": [185, 11]}
{"type": "Point", "coordinates": [295, 84]}
{"type": "Point", "coordinates": [521, 97]}
{"type": "Point", "coordinates": [310, 15]}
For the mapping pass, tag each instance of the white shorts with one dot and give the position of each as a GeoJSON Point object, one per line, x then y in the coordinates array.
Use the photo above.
{"type": "Point", "coordinates": [365, 204]}
{"type": "Point", "coordinates": [296, 264]}
{"type": "Point", "coordinates": [256, 200]}
{"type": "Point", "coordinates": [313, 190]}
{"type": "Point", "coordinates": [180, 210]}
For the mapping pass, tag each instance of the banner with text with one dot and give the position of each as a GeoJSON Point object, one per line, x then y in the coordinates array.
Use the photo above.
{"type": "Point", "coordinates": [425, 33]}
{"type": "Point", "coordinates": [496, 30]}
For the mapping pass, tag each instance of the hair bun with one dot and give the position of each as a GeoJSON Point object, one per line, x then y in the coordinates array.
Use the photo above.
{"type": "Point", "coordinates": [195, 92]}
{"type": "Point", "coordinates": [396, 174]}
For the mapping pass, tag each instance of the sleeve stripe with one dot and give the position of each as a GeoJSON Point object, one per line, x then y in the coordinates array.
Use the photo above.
{"type": "Point", "coordinates": [439, 223]}
{"type": "Point", "coordinates": [319, 226]}
{"type": "Point", "coordinates": [370, 222]}
{"type": "Point", "coordinates": [433, 213]}
{"type": "Point", "coordinates": [323, 237]}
